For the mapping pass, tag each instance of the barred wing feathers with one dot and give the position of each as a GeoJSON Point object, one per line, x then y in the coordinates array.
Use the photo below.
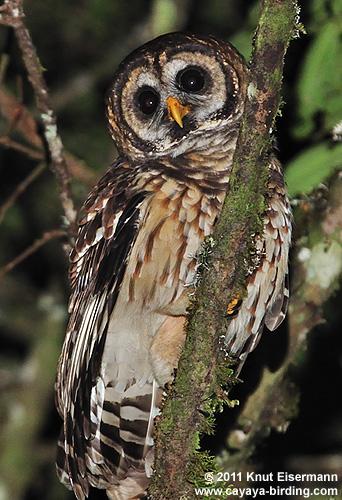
{"type": "Point", "coordinates": [106, 235]}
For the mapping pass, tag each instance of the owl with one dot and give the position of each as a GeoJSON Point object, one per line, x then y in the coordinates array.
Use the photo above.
{"type": "Point", "coordinates": [174, 112]}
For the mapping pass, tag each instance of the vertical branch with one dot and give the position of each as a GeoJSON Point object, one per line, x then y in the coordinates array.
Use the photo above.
{"type": "Point", "coordinates": [12, 14]}
{"type": "Point", "coordinates": [201, 366]}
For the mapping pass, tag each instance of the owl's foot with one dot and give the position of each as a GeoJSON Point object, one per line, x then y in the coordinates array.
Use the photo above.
{"type": "Point", "coordinates": [234, 306]}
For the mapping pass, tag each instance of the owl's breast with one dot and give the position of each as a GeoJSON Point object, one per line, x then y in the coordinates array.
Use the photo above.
{"type": "Point", "coordinates": [177, 218]}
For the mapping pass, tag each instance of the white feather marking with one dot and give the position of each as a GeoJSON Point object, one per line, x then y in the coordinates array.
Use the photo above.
{"type": "Point", "coordinates": [133, 413]}
{"type": "Point", "coordinates": [98, 235]}
{"type": "Point", "coordinates": [251, 295]}
{"type": "Point", "coordinates": [96, 401]}
{"type": "Point", "coordinates": [269, 248]}
{"type": "Point", "coordinates": [155, 388]}
{"type": "Point", "coordinates": [131, 437]}
{"type": "Point", "coordinates": [86, 334]}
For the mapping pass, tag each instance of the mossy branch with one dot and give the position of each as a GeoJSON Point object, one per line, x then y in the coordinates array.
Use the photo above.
{"type": "Point", "coordinates": [201, 368]}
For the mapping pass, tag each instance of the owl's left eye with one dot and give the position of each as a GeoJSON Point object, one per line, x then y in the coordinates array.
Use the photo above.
{"type": "Point", "coordinates": [147, 100]}
{"type": "Point", "coordinates": [191, 79]}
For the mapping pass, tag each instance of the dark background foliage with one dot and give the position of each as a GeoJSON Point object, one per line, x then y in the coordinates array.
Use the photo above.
{"type": "Point", "coordinates": [80, 44]}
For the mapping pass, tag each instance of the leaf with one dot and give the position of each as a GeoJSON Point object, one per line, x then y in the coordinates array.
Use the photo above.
{"type": "Point", "coordinates": [313, 166]}
{"type": "Point", "coordinates": [242, 40]}
{"type": "Point", "coordinates": [319, 86]}
{"type": "Point", "coordinates": [319, 11]}
{"type": "Point", "coordinates": [336, 7]}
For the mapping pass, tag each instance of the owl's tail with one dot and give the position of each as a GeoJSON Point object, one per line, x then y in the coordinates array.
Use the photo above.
{"type": "Point", "coordinates": [126, 437]}
{"type": "Point", "coordinates": [118, 452]}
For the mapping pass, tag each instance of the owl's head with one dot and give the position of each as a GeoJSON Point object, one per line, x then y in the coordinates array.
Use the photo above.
{"type": "Point", "coordinates": [171, 94]}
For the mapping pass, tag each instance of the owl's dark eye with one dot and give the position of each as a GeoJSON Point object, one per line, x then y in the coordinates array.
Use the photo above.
{"type": "Point", "coordinates": [148, 100]}
{"type": "Point", "coordinates": [191, 79]}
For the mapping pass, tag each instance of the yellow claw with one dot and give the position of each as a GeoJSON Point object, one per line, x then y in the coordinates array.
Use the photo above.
{"type": "Point", "coordinates": [176, 110]}
{"type": "Point", "coordinates": [233, 305]}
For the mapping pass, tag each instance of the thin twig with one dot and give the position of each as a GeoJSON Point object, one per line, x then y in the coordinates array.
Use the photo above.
{"type": "Point", "coordinates": [36, 245]}
{"type": "Point", "coordinates": [6, 19]}
{"type": "Point", "coordinates": [21, 188]}
{"type": "Point", "coordinates": [19, 118]}
{"type": "Point", "coordinates": [12, 12]}
{"type": "Point", "coordinates": [22, 121]}
{"type": "Point", "coordinates": [4, 61]}
{"type": "Point", "coordinates": [7, 142]}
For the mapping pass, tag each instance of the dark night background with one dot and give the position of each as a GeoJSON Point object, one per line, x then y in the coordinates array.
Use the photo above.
{"type": "Point", "coordinates": [80, 44]}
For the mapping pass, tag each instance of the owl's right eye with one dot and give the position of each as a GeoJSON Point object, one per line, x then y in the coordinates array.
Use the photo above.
{"type": "Point", "coordinates": [147, 100]}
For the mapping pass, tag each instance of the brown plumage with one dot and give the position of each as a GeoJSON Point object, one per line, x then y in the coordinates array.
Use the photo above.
{"type": "Point", "coordinates": [135, 259]}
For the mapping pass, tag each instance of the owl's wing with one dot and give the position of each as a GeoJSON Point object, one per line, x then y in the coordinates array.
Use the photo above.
{"type": "Point", "coordinates": [98, 261]}
{"type": "Point", "coordinates": [267, 285]}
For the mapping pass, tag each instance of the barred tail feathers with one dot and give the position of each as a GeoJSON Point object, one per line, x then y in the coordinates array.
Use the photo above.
{"type": "Point", "coordinates": [139, 405]}
{"type": "Point", "coordinates": [125, 437]}
{"type": "Point", "coordinates": [118, 452]}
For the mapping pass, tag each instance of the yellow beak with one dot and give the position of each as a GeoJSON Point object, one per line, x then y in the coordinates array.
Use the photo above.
{"type": "Point", "coordinates": [176, 110]}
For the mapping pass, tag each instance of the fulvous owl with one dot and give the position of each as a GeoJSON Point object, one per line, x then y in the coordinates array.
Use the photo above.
{"type": "Point", "coordinates": [174, 112]}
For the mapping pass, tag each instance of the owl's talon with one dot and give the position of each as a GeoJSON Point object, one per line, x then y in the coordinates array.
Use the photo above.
{"type": "Point", "coordinates": [234, 306]}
